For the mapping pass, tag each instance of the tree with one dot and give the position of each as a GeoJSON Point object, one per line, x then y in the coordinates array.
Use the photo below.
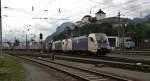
{"type": "Point", "coordinates": [97, 28]}
{"type": "Point", "coordinates": [67, 32]}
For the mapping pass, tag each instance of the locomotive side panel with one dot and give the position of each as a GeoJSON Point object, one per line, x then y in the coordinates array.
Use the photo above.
{"type": "Point", "coordinates": [83, 44]}
{"type": "Point", "coordinates": [64, 45]}
{"type": "Point", "coordinates": [69, 45]}
{"type": "Point", "coordinates": [53, 46]}
{"type": "Point", "coordinates": [58, 46]}
{"type": "Point", "coordinates": [80, 44]}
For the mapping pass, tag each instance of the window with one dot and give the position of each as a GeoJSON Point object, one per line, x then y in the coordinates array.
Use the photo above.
{"type": "Point", "coordinates": [91, 39]}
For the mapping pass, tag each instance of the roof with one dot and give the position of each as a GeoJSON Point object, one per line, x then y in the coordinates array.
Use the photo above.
{"type": "Point", "coordinates": [80, 37]}
{"type": "Point", "coordinates": [100, 11]}
{"type": "Point", "coordinates": [87, 16]}
{"type": "Point", "coordinates": [59, 41]}
{"type": "Point", "coordinates": [114, 20]}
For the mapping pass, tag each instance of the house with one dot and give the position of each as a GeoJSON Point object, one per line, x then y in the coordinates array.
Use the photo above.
{"type": "Point", "coordinates": [116, 42]}
{"type": "Point", "coordinates": [86, 19]}
{"type": "Point", "coordinates": [100, 15]}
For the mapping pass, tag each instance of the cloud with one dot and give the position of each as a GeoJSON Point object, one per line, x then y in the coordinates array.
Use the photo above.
{"type": "Point", "coordinates": [42, 27]}
{"type": "Point", "coordinates": [20, 14]}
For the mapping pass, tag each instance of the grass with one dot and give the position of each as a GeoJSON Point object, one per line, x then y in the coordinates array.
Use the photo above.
{"type": "Point", "coordinates": [10, 69]}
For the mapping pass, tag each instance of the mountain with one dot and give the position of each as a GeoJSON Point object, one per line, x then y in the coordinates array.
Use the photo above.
{"type": "Point", "coordinates": [62, 27]}
{"type": "Point", "coordinates": [147, 18]}
{"type": "Point", "coordinates": [141, 20]}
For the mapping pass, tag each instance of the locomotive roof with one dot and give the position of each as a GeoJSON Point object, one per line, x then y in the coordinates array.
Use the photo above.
{"type": "Point", "coordinates": [86, 36]}
{"type": "Point", "coordinates": [58, 41]}
{"type": "Point", "coordinates": [98, 33]}
{"type": "Point", "coordinates": [81, 37]}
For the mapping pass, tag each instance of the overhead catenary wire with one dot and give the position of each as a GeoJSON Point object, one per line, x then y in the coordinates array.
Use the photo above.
{"type": "Point", "coordinates": [35, 5]}
{"type": "Point", "coordinates": [54, 14]}
{"type": "Point", "coordinates": [126, 11]}
{"type": "Point", "coordinates": [126, 3]}
{"type": "Point", "coordinates": [130, 11]}
{"type": "Point", "coordinates": [39, 11]}
{"type": "Point", "coordinates": [137, 10]}
{"type": "Point", "coordinates": [82, 11]}
{"type": "Point", "coordinates": [96, 6]}
{"type": "Point", "coordinates": [115, 6]}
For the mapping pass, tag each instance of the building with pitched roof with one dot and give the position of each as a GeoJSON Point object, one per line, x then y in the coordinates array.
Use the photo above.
{"type": "Point", "coordinates": [100, 15]}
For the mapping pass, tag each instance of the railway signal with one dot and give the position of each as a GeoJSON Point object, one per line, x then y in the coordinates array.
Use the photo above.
{"type": "Point", "coordinates": [41, 36]}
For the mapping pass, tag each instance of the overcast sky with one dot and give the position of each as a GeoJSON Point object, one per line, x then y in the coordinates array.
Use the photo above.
{"type": "Point", "coordinates": [19, 16]}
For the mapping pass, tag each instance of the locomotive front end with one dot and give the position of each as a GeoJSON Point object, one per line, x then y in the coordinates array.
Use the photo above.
{"type": "Point", "coordinates": [102, 44]}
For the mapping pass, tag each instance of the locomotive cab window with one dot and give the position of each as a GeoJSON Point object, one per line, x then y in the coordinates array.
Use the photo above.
{"type": "Point", "coordinates": [91, 39]}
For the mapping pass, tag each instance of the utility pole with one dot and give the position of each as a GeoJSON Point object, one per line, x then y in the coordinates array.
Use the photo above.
{"type": "Point", "coordinates": [27, 37]}
{"type": "Point", "coordinates": [123, 35]}
{"type": "Point", "coordinates": [26, 42]}
{"type": "Point", "coordinates": [1, 53]}
{"type": "Point", "coordinates": [119, 28]}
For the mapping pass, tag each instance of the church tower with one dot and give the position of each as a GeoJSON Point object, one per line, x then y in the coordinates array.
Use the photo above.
{"type": "Point", "coordinates": [100, 15]}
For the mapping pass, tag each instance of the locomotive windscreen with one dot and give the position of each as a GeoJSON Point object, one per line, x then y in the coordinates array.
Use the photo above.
{"type": "Point", "coordinates": [102, 41]}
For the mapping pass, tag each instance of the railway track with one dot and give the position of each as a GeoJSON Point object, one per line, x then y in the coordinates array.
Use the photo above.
{"type": "Point", "coordinates": [80, 73]}
{"type": "Point", "coordinates": [110, 61]}
{"type": "Point", "coordinates": [111, 58]}
{"type": "Point", "coordinates": [137, 52]}
{"type": "Point", "coordinates": [125, 65]}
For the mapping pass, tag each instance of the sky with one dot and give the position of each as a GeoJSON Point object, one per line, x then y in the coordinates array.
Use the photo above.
{"type": "Point", "coordinates": [21, 17]}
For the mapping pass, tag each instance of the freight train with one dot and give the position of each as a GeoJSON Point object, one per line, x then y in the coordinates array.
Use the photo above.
{"type": "Point", "coordinates": [94, 43]}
